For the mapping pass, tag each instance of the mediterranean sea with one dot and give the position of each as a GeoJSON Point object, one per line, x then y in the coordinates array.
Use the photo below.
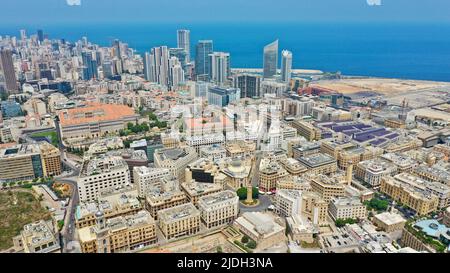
{"type": "Point", "coordinates": [393, 50]}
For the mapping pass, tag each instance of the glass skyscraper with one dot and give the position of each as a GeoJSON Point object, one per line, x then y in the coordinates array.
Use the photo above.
{"type": "Point", "coordinates": [202, 60]}
{"type": "Point", "coordinates": [270, 59]}
{"type": "Point", "coordinates": [90, 65]}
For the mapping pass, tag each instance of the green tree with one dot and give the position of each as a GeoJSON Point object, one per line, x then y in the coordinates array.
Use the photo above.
{"type": "Point", "coordinates": [251, 244]}
{"type": "Point", "coordinates": [152, 116]}
{"type": "Point", "coordinates": [245, 239]}
{"type": "Point", "coordinates": [219, 249]}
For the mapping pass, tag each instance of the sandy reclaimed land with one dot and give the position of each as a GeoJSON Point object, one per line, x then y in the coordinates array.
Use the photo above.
{"type": "Point", "coordinates": [381, 86]}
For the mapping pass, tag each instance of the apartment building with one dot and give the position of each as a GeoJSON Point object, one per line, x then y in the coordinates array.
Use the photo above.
{"type": "Point", "coordinates": [327, 187]}
{"type": "Point", "coordinates": [269, 173]}
{"type": "Point", "coordinates": [347, 207]}
{"type": "Point", "coordinates": [195, 190]}
{"type": "Point", "coordinates": [288, 202]}
{"type": "Point", "coordinates": [404, 191]}
{"type": "Point", "coordinates": [100, 174]}
{"type": "Point", "coordinates": [38, 237]}
{"type": "Point", "coordinates": [319, 163]}
{"type": "Point", "coordinates": [371, 171]}
{"type": "Point", "coordinates": [175, 159]}
{"type": "Point", "coordinates": [307, 130]}
{"type": "Point", "coordinates": [113, 203]}
{"type": "Point", "coordinates": [119, 234]}
{"type": "Point", "coordinates": [147, 179]}
{"type": "Point", "coordinates": [219, 208]}
{"type": "Point", "coordinates": [179, 221]}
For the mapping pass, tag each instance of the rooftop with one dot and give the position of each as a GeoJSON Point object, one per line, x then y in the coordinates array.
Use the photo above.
{"type": "Point", "coordinates": [178, 213]}
{"type": "Point", "coordinates": [316, 160]}
{"type": "Point", "coordinates": [95, 112]}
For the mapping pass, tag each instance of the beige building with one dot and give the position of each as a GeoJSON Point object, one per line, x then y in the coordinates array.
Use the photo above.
{"type": "Point", "coordinates": [432, 174]}
{"type": "Point", "coordinates": [95, 120]}
{"type": "Point", "coordinates": [347, 207]}
{"type": "Point", "coordinates": [28, 161]}
{"type": "Point", "coordinates": [262, 228]}
{"type": "Point", "coordinates": [237, 172]}
{"type": "Point", "coordinates": [417, 199]}
{"type": "Point", "coordinates": [409, 240]}
{"type": "Point", "coordinates": [196, 190]}
{"type": "Point", "coordinates": [333, 147]}
{"type": "Point", "coordinates": [158, 200]}
{"type": "Point", "coordinates": [119, 234]}
{"type": "Point", "coordinates": [202, 170]}
{"type": "Point", "coordinates": [301, 229]}
{"type": "Point", "coordinates": [389, 222]}
{"type": "Point", "coordinates": [314, 208]}
{"type": "Point", "coordinates": [371, 171]}
{"type": "Point", "coordinates": [112, 204]}
{"type": "Point", "coordinates": [327, 187]}
{"type": "Point", "coordinates": [307, 130]}
{"type": "Point", "coordinates": [402, 162]}
{"type": "Point", "coordinates": [38, 237]}
{"type": "Point", "coordinates": [219, 208]}
{"type": "Point", "coordinates": [51, 159]}
{"type": "Point", "coordinates": [293, 166]}
{"type": "Point", "coordinates": [319, 163]}
{"type": "Point", "coordinates": [269, 173]}
{"type": "Point", "coordinates": [294, 183]}
{"type": "Point", "coordinates": [403, 145]}
{"type": "Point", "coordinates": [179, 221]}
{"type": "Point", "coordinates": [241, 149]}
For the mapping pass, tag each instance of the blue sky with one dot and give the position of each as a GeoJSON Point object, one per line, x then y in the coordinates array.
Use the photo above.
{"type": "Point", "coordinates": [47, 12]}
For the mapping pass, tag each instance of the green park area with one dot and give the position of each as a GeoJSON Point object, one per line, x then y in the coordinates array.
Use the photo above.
{"type": "Point", "coordinates": [52, 136]}
{"type": "Point", "coordinates": [18, 208]}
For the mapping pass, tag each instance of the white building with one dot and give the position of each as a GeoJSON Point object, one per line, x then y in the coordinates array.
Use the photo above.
{"type": "Point", "coordinates": [220, 67]}
{"type": "Point", "coordinates": [175, 159]}
{"type": "Point", "coordinates": [213, 152]}
{"type": "Point", "coordinates": [288, 202]}
{"type": "Point", "coordinates": [286, 65]}
{"type": "Point", "coordinates": [147, 179]}
{"type": "Point", "coordinates": [101, 174]}
{"type": "Point", "coordinates": [347, 207]}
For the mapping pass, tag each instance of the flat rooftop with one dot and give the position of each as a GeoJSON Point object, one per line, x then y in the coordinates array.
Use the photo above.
{"type": "Point", "coordinates": [316, 160]}
{"type": "Point", "coordinates": [94, 113]}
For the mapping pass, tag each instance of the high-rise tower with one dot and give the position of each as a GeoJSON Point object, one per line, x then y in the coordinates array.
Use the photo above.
{"type": "Point", "coordinates": [8, 80]}
{"type": "Point", "coordinates": [286, 65]}
{"type": "Point", "coordinates": [270, 59]}
{"type": "Point", "coordinates": [202, 60]}
{"type": "Point", "coordinates": [184, 42]}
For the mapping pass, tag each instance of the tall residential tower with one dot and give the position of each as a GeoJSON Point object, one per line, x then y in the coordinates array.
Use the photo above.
{"type": "Point", "coordinates": [286, 65]}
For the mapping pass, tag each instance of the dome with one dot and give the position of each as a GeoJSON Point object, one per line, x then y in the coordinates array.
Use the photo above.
{"type": "Point", "coordinates": [99, 214]}
{"type": "Point", "coordinates": [236, 166]}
